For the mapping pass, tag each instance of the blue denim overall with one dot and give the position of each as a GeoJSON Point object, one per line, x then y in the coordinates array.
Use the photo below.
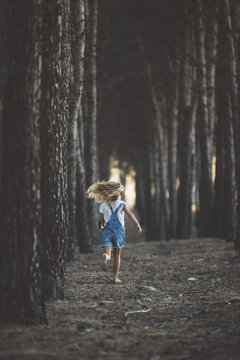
{"type": "Point", "coordinates": [113, 233]}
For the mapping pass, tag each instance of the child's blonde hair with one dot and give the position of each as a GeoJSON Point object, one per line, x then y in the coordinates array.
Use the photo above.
{"type": "Point", "coordinates": [105, 191]}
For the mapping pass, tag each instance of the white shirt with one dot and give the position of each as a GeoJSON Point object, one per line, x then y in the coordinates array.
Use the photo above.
{"type": "Point", "coordinates": [106, 211]}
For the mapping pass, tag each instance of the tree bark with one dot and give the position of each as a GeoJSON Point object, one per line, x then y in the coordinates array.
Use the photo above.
{"type": "Point", "coordinates": [188, 101]}
{"type": "Point", "coordinates": [233, 89]}
{"type": "Point", "coordinates": [54, 131]}
{"type": "Point", "coordinates": [20, 281]}
{"type": "Point", "coordinates": [90, 110]}
{"type": "Point", "coordinates": [83, 231]}
{"type": "Point", "coordinates": [172, 160]}
{"type": "Point", "coordinates": [4, 61]}
{"type": "Point", "coordinates": [78, 50]}
{"type": "Point", "coordinates": [229, 220]}
{"type": "Point", "coordinates": [206, 185]}
{"type": "Point", "coordinates": [220, 173]}
{"type": "Point", "coordinates": [211, 59]}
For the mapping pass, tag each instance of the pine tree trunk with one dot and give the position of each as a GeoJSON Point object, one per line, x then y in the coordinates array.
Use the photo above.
{"type": "Point", "coordinates": [1, 158]}
{"type": "Point", "coordinates": [206, 186]}
{"type": "Point", "coordinates": [83, 231]}
{"type": "Point", "coordinates": [233, 89]}
{"type": "Point", "coordinates": [148, 183]}
{"type": "Point", "coordinates": [150, 218]}
{"type": "Point", "coordinates": [211, 57]}
{"type": "Point", "coordinates": [4, 61]}
{"type": "Point", "coordinates": [186, 177]}
{"type": "Point", "coordinates": [141, 203]}
{"type": "Point", "coordinates": [90, 110]}
{"type": "Point", "coordinates": [229, 220]}
{"type": "Point", "coordinates": [218, 209]}
{"type": "Point", "coordinates": [225, 187]}
{"type": "Point", "coordinates": [54, 131]}
{"type": "Point", "coordinates": [186, 136]}
{"type": "Point", "coordinates": [172, 160]}
{"type": "Point", "coordinates": [237, 37]}
{"type": "Point", "coordinates": [20, 281]}
{"type": "Point", "coordinates": [78, 50]}
{"type": "Point", "coordinates": [156, 214]}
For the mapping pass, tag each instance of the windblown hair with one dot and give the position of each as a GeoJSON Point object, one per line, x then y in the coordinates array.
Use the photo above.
{"type": "Point", "coordinates": [105, 191]}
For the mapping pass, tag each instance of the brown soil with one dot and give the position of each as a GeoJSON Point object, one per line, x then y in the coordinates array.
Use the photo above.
{"type": "Point", "coordinates": [180, 318]}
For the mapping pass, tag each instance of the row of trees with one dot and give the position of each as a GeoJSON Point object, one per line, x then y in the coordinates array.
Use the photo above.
{"type": "Point", "coordinates": [167, 78]}
{"type": "Point", "coordinates": [47, 147]}
{"type": "Point", "coordinates": [175, 95]}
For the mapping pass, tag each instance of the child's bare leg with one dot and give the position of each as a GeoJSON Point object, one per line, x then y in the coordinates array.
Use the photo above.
{"type": "Point", "coordinates": [117, 261]}
{"type": "Point", "coordinates": [106, 256]}
{"type": "Point", "coordinates": [107, 252]}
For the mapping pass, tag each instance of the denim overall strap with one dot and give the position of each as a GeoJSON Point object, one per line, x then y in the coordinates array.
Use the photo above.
{"type": "Point", "coordinates": [112, 211]}
{"type": "Point", "coordinates": [119, 206]}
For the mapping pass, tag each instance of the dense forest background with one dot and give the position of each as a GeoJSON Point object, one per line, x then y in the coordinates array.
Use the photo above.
{"type": "Point", "coordinates": [153, 85]}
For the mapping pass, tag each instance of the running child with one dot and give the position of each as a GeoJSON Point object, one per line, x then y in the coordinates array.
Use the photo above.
{"type": "Point", "coordinates": [111, 221]}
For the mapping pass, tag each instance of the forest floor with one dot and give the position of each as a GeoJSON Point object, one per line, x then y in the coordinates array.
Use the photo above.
{"type": "Point", "coordinates": [177, 300]}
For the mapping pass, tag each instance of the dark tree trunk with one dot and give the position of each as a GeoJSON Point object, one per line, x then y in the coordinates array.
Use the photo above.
{"type": "Point", "coordinates": [172, 160]}
{"type": "Point", "coordinates": [156, 215]}
{"type": "Point", "coordinates": [141, 186]}
{"type": "Point", "coordinates": [225, 187]}
{"type": "Point", "coordinates": [231, 59]}
{"type": "Point", "coordinates": [186, 136]}
{"type": "Point", "coordinates": [147, 174]}
{"type": "Point", "coordinates": [20, 282]}
{"type": "Point", "coordinates": [205, 136]}
{"type": "Point", "coordinates": [90, 110]}
{"type": "Point", "coordinates": [4, 60]}
{"type": "Point", "coordinates": [78, 50]}
{"type": "Point", "coordinates": [3, 75]}
{"type": "Point", "coordinates": [220, 175]}
{"type": "Point", "coordinates": [229, 220]}
{"type": "Point", "coordinates": [83, 232]}
{"type": "Point", "coordinates": [184, 230]}
{"type": "Point", "coordinates": [80, 24]}
{"type": "Point", "coordinates": [211, 60]}
{"type": "Point", "coordinates": [1, 158]}
{"type": "Point", "coordinates": [65, 111]}
{"type": "Point", "coordinates": [150, 218]}
{"type": "Point", "coordinates": [236, 12]}
{"type": "Point", "coordinates": [54, 131]}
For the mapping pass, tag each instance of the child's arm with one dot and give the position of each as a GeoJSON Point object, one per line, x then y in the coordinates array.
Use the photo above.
{"type": "Point", "coordinates": [100, 222]}
{"type": "Point", "coordinates": [132, 217]}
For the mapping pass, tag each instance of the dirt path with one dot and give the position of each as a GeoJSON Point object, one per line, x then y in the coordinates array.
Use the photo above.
{"type": "Point", "coordinates": [180, 318]}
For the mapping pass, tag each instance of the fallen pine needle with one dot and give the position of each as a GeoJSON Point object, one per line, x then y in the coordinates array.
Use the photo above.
{"type": "Point", "coordinates": [137, 311]}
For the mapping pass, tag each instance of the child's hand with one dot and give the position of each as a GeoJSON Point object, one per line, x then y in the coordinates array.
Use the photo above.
{"type": "Point", "coordinates": [100, 229]}
{"type": "Point", "coordinates": [139, 229]}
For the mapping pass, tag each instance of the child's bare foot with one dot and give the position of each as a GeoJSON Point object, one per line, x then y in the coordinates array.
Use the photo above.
{"type": "Point", "coordinates": [116, 280]}
{"type": "Point", "coordinates": [104, 265]}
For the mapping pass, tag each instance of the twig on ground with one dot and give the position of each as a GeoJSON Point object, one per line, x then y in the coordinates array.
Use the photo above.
{"type": "Point", "coordinates": [136, 296]}
{"type": "Point", "coordinates": [137, 311]}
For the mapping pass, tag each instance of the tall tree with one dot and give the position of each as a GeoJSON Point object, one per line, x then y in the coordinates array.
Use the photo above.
{"type": "Point", "coordinates": [3, 75]}
{"type": "Point", "coordinates": [90, 107]}
{"type": "Point", "coordinates": [206, 131]}
{"type": "Point", "coordinates": [188, 101]}
{"type": "Point", "coordinates": [224, 224]}
{"type": "Point", "coordinates": [233, 70]}
{"type": "Point", "coordinates": [20, 279]}
{"type": "Point", "coordinates": [54, 132]}
{"type": "Point", "coordinates": [78, 133]}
